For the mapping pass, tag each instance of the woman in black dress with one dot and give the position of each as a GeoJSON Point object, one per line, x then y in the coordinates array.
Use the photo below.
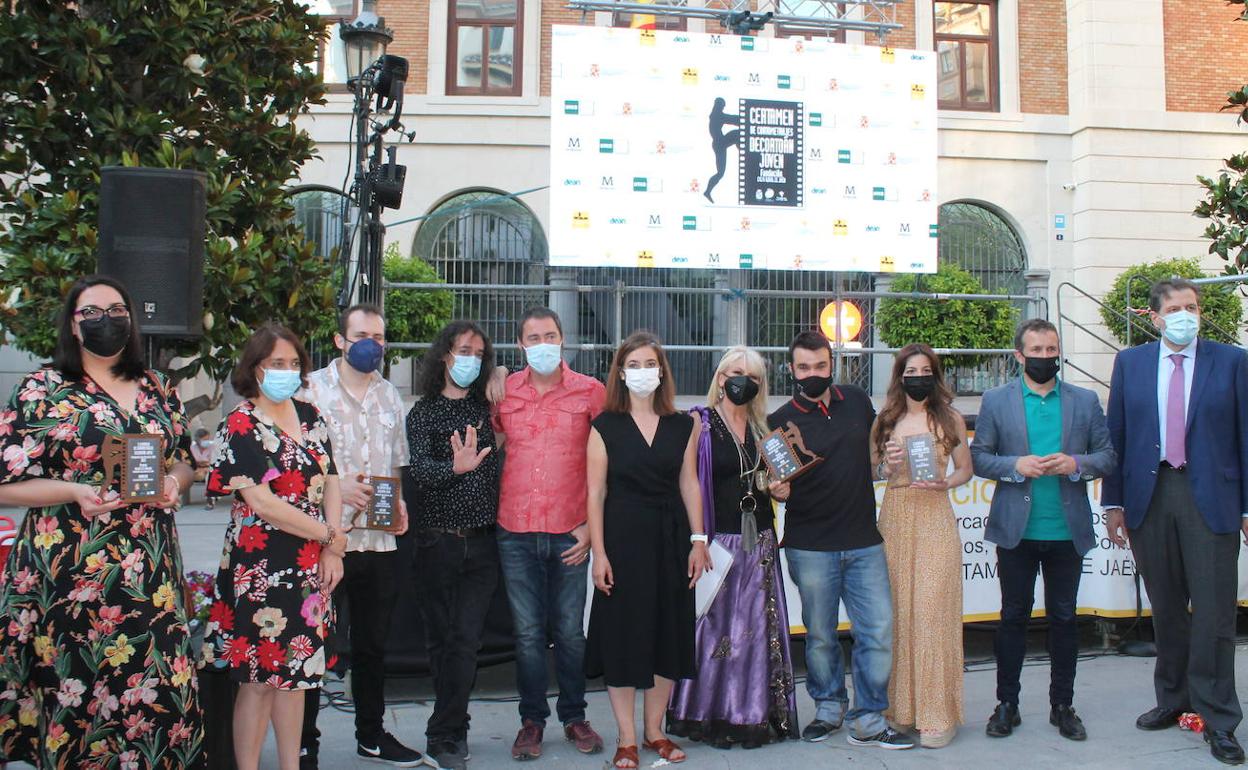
{"type": "Point", "coordinates": [649, 547]}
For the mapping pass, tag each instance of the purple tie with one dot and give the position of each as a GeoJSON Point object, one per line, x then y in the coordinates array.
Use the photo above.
{"type": "Point", "coordinates": [1176, 417]}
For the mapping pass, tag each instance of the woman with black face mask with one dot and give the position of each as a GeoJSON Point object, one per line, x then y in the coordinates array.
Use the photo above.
{"type": "Point", "coordinates": [922, 544]}
{"type": "Point", "coordinates": [744, 690]}
{"type": "Point", "coordinates": [95, 656]}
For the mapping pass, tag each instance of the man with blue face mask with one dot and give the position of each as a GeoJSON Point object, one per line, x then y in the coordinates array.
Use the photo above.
{"type": "Point", "coordinates": [454, 468]}
{"type": "Point", "coordinates": [1178, 419]}
{"type": "Point", "coordinates": [365, 416]}
{"type": "Point", "coordinates": [543, 537]}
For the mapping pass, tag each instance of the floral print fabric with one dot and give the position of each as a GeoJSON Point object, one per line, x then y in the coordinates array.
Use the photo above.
{"type": "Point", "coordinates": [269, 619]}
{"type": "Point", "coordinates": [94, 648]}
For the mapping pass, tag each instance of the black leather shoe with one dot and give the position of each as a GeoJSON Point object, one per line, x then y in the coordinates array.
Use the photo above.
{"type": "Point", "coordinates": [1003, 720]}
{"type": "Point", "coordinates": [1067, 723]}
{"type": "Point", "coordinates": [1224, 747]}
{"type": "Point", "coordinates": [1159, 718]}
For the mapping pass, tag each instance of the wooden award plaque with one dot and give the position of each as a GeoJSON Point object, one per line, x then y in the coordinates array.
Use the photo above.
{"type": "Point", "coordinates": [785, 453]}
{"type": "Point", "coordinates": [383, 508]}
{"type": "Point", "coordinates": [141, 459]}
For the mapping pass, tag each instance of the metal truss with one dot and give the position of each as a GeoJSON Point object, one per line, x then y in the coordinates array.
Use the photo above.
{"type": "Point", "coordinates": [815, 16]}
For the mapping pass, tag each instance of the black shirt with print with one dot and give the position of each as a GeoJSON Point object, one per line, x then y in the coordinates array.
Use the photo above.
{"type": "Point", "coordinates": [449, 500]}
{"type": "Point", "coordinates": [831, 507]}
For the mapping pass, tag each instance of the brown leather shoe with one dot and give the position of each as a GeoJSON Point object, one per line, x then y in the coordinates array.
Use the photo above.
{"type": "Point", "coordinates": [583, 736]}
{"type": "Point", "coordinates": [528, 743]}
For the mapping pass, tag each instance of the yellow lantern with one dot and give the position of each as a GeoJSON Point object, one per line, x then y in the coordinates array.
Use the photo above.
{"type": "Point", "coordinates": [851, 321]}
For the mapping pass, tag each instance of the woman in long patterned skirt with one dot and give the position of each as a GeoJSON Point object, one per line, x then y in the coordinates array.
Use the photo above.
{"type": "Point", "coordinates": [744, 690]}
{"type": "Point", "coordinates": [94, 648]}
{"type": "Point", "coordinates": [923, 548]}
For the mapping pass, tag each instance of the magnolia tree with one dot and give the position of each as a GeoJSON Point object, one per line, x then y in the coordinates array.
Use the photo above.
{"type": "Point", "coordinates": [210, 85]}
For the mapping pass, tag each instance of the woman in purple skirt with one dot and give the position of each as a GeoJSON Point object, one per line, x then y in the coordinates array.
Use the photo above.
{"type": "Point", "coordinates": [744, 691]}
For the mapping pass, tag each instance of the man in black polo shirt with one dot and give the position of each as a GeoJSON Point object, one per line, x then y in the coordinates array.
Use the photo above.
{"type": "Point", "coordinates": [834, 551]}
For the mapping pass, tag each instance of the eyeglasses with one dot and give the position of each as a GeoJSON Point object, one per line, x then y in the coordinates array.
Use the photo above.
{"type": "Point", "coordinates": [92, 313]}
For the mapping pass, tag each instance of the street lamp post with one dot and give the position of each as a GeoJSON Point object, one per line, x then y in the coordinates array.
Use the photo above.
{"type": "Point", "coordinates": [377, 80]}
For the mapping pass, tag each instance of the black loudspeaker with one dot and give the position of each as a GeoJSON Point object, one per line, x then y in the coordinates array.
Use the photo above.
{"type": "Point", "coordinates": [152, 223]}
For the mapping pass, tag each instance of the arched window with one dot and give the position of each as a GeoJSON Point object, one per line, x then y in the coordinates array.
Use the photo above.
{"type": "Point", "coordinates": [319, 210]}
{"type": "Point", "coordinates": [983, 243]}
{"type": "Point", "coordinates": [980, 241]}
{"type": "Point", "coordinates": [487, 237]}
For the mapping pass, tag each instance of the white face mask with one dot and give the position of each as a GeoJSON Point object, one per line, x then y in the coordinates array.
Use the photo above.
{"type": "Point", "coordinates": [642, 382]}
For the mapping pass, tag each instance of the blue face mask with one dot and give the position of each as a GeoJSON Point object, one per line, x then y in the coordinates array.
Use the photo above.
{"type": "Point", "coordinates": [544, 358]}
{"type": "Point", "coordinates": [1182, 327]}
{"type": "Point", "coordinates": [280, 384]}
{"type": "Point", "coordinates": [465, 370]}
{"type": "Point", "coordinates": [365, 355]}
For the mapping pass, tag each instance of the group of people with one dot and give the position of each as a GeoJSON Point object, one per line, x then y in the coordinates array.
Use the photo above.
{"type": "Point", "coordinates": [549, 478]}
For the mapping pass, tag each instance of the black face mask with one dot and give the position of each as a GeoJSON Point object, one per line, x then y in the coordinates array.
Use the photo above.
{"type": "Point", "coordinates": [1041, 370]}
{"type": "Point", "coordinates": [814, 385]}
{"type": "Point", "coordinates": [105, 336]}
{"type": "Point", "coordinates": [919, 387]}
{"type": "Point", "coordinates": [740, 390]}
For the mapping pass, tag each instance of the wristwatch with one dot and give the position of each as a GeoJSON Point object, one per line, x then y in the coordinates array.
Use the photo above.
{"type": "Point", "coordinates": [330, 536]}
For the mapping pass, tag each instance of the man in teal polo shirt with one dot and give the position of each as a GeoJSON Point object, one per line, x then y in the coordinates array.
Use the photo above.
{"type": "Point", "coordinates": [1041, 440]}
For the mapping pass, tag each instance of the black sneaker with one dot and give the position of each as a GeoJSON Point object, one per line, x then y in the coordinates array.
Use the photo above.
{"type": "Point", "coordinates": [447, 755]}
{"type": "Point", "coordinates": [307, 760]}
{"type": "Point", "coordinates": [888, 738]}
{"type": "Point", "coordinates": [1067, 723]}
{"type": "Point", "coordinates": [818, 730]}
{"type": "Point", "coordinates": [388, 749]}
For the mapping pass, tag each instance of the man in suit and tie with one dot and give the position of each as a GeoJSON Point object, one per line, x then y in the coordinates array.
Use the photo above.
{"type": "Point", "coordinates": [1178, 417]}
{"type": "Point", "coordinates": [1041, 440]}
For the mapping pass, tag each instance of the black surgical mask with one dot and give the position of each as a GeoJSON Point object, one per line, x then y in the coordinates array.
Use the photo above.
{"type": "Point", "coordinates": [1041, 370]}
{"type": "Point", "coordinates": [814, 385]}
{"type": "Point", "coordinates": [105, 336]}
{"type": "Point", "coordinates": [919, 386]}
{"type": "Point", "coordinates": [740, 390]}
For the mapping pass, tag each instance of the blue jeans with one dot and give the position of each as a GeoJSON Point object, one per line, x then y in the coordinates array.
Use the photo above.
{"type": "Point", "coordinates": [858, 577]}
{"type": "Point", "coordinates": [546, 595]}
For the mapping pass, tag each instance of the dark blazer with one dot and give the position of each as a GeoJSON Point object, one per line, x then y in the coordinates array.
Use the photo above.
{"type": "Point", "coordinates": [1001, 438]}
{"type": "Point", "coordinates": [1217, 434]}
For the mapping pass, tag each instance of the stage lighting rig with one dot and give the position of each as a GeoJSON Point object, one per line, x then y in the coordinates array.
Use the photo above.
{"type": "Point", "coordinates": [377, 80]}
{"type": "Point", "coordinates": [747, 23]}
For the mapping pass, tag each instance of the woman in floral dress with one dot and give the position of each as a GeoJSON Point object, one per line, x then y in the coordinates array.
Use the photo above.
{"type": "Point", "coordinates": [283, 549]}
{"type": "Point", "coordinates": [94, 647]}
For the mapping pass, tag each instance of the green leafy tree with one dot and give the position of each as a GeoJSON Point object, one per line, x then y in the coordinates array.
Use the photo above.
{"type": "Point", "coordinates": [956, 323]}
{"type": "Point", "coordinates": [1226, 195]}
{"type": "Point", "coordinates": [208, 85]}
{"type": "Point", "coordinates": [413, 315]}
{"type": "Point", "coordinates": [1219, 305]}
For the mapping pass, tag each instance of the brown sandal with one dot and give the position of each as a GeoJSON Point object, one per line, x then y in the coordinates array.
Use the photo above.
{"type": "Point", "coordinates": [665, 749]}
{"type": "Point", "coordinates": [629, 753]}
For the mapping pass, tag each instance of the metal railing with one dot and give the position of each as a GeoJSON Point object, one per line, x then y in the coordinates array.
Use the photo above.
{"type": "Point", "coordinates": [730, 309]}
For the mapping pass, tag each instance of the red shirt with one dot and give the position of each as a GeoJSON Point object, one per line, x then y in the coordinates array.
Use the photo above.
{"type": "Point", "coordinates": [544, 487]}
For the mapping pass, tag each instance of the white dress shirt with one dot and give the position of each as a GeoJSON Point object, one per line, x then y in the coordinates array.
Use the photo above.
{"type": "Point", "coordinates": [1165, 369]}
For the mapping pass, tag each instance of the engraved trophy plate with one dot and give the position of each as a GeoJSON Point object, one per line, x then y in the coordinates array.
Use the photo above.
{"type": "Point", "coordinates": [383, 507]}
{"type": "Point", "coordinates": [921, 453]}
{"type": "Point", "coordinates": [141, 458]}
{"type": "Point", "coordinates": [785, 453]}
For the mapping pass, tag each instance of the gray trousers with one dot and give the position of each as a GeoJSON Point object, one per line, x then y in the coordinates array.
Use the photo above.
{"type": "Point", "coordinates": [1183, 562]}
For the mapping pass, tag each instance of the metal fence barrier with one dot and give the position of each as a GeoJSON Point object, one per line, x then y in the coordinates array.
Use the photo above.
{"type": "Point", "coordinates": [732, 315]}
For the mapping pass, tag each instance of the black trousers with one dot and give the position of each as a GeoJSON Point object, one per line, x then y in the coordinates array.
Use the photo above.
{"type": "Point", "coordinates": [1017, 569]}
{"type": "Point", "coordinates": [456, 578]}
{"type": "Point", "coordinates": [368, 589]}
{"type": "Point", "coordinates": [1183, 562]}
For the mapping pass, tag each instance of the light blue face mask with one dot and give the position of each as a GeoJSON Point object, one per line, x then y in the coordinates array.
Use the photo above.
{"type": "Point", "coordinates": [465, 370]}
{"type": "Point", "coordinates": [280, 384]}
{"type": "Point", "coordinates": [1182, 326]}
{"type": "Point", "coordinates": [544, 358]}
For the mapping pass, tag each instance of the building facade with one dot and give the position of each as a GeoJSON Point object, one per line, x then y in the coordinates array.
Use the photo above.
{"type": "Point", "coordinates": [1070, 131]}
